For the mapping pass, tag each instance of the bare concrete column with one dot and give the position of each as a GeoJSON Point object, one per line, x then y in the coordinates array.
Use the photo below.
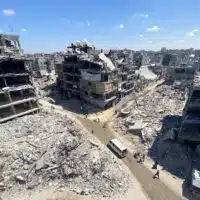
{"type": "Point", "coordinates": [5, 83]}
{"type": "Point", "coordinates": [27, 79]}
{"type": "Point", "coordinates": [30, 104]}
{"type": "Point", "coordinates": [21, 93]}
{"type": "Point", "coordinates": [10, 99]}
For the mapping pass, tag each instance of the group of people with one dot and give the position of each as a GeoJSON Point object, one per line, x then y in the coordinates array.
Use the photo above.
{"type": "Point", "coordinates": [141, 157]}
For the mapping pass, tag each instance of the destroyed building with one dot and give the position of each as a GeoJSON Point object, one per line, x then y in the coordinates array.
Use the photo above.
{"type": "Point", "coordinates": [102, 78]}
{"type": "Point", "coordinates": [91, 77]}
{"type": "Point", "coordinates": [190, 128]}
{"type": "Point", "coordinates": [9, 45]}
{"type": "Point", "coordinates": [126, 67]}
{"type": "Point", "coordinates": [43, 64]}
{"type": "Point", "coordinates": [17, 93]}
{"type": "Point", "coordinates": [181, 75]}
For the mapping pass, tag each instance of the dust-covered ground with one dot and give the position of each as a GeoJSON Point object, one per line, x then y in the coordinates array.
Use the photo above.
{"type": "Point", "coordinates": [42, 150]}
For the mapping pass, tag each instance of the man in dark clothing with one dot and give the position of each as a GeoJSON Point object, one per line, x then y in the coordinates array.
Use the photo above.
{"type": "Point", "coordinates": [157, 175]}
{"type": "Point", "coordinates": [155, 165]}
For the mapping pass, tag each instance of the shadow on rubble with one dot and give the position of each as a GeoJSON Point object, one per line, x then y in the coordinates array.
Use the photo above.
{"type": "Point", "coordinates": [166, 150]}
{"type": "Point", "coordinates": [190, 193]}
{"type": "Point", "coordinates": [173, 156]}
{"type": "Point", "coordinates": [74, 104]}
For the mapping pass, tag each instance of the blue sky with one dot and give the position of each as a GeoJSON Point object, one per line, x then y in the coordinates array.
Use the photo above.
{"type": "Point", "coordinates": [146, 24]}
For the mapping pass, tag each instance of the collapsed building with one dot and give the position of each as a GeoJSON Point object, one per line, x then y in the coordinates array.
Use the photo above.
{"type": "Point", "coordinates": [17, 93]}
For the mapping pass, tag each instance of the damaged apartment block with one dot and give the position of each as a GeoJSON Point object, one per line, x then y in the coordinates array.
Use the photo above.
{"type": "Point", "coordinates": [17, 94]}
{"type": "Point", "coordinates": [189, 131]}
{"type": "Point", "coordinates": [90, 76]}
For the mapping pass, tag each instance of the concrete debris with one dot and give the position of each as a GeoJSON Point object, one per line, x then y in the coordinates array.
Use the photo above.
{"type": "Point", "coordinates": [129, 121]}
{"type": "Point", "coordinates": [65, 156]}
{"type": "Point", "coordinates": [20, 179]}
{"type": "Point", "coordinates": [145, 72]}
{"type": "Point", "coordinates": [152, 111]}
{"type": "Point", "coordinates": [137, 127]}
{"type": "Point", "coordinates": [2, 186]}
{"type": "Point", "coordinates": [124, 112]}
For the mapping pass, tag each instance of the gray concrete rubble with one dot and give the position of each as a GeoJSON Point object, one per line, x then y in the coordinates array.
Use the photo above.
{"type": "Point", "coordinates": [149, 110]}
{"type": "Point", "coordinates": [50, 149]}
{"type": "Point", "coordinates": [159, 114]}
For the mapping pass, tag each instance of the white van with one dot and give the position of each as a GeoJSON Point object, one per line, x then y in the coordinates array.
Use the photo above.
{"type": "Point", "coordinates": [118, 148]}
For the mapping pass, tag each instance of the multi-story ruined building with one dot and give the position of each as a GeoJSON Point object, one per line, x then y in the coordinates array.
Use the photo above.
{"type": "Point", "coordinates": [99, 77]}
{"type": "Point", "coordinates": [92, 77]}
{"type": "Point", "coordinates": [181, 76]}
{"type": "Point", "coordinates": [17, 94]}
{"type": "Point", "coordinates": [190, 128]}
{"type": "Point", "coordinates": [9, 45]}
{"type": "Point", "coordinates": [126, 67]}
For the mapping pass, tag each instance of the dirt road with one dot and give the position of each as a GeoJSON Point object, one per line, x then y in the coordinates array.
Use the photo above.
{"type": "Point", "coordinates": [155, 189]}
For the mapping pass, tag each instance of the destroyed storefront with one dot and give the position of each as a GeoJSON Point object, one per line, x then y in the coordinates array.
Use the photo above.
{"type": "Point", "coordinates": [17, 94]}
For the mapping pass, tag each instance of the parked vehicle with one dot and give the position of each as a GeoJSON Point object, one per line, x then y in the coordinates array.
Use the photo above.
{"type": "Point", "coordinates": [118, 148]}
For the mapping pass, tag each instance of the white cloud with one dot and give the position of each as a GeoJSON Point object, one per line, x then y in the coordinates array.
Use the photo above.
{"type": "Point", "coordinates": [150, 42]}
{"type": "Point", "coordinates": [191, 34]}
{"type": "Point", "coordinates": [141, 36]}
{"type": "Point", "coordinates": [143, 15]}
{"type": "Point", "coordinates": [88, 23]}
{"type": "Point", "coordinates": [8, 12]}
{"type": "Point", "coordinates": [195, 30]}
{"type": "Point", "coordinates": [154, 28]}
{"type": "Point", "coordinates": [23, 30]}
{"type": "Point", "coordinates": [120, 26]}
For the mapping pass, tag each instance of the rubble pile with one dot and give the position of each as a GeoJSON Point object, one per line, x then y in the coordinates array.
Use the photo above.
{"type": "Point", "coordinates": [50, 149]}
{"type": "Point", "coordinates": [152, 127]}
{"type": "Point", "coordinates": [147, 114]}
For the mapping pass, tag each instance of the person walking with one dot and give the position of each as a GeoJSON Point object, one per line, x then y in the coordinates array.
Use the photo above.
{"type": "Point", "coordinates": [155, 166]}
{"type": "Point", "coordinates": [157, 174]}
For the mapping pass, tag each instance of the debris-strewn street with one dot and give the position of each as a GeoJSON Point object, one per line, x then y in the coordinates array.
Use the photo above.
{"type": "Point", "coordinates": [50, 149]}
{"type": "Point", "coordinates": [150, 126]}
